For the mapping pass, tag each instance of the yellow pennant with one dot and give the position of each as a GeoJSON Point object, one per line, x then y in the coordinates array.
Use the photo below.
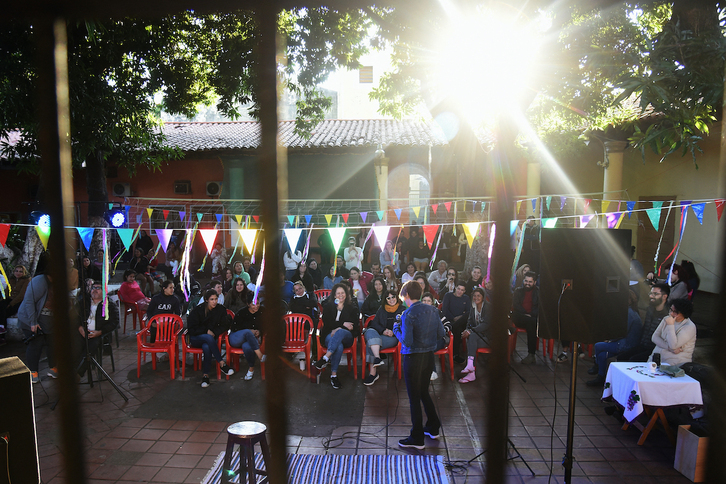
{"type": "Point", "coordinates": [605, 205]}
{"type": "Point", "coordinates": [416, 211]}
{"type": "Point", "coordinates": [43, 233]}
{"type": "Point", "coordinates": [239, 219]}
{"type": "Point", "coordinates": [519, 205]}
{"type": "Point", "coordinates": [328, 218]}
{"type": "Point", "coordinates": [470, 230]}
{"type": "Point", "coordinates": [149, 211]}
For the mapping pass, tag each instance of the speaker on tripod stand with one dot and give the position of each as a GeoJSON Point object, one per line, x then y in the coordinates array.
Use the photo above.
{"type": "Point", "coordinates": [583, 294]}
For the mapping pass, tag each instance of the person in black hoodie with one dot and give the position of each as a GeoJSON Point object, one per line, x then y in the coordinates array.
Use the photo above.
{"type": "Point", "coordinates": [315, 272]}
{"type": "Point", "coordinates": [165, 302]}
{"type": "Point", "coordinates": [379, 334]}
{"type": "Point", "coordinates": [246, 333]}
{"type": "Point", "coordinates": [303, 302]}
{"type": "Point", "coordinates": [302, 274]}
{"type": "Point", "coordinates": [205, 323]}
{"type": "Point", "coordinates": [341, 325]}
{"type": "Point", "coordinates": [93, 322]}
{"type": "Point", "coordinates": [375, 298]}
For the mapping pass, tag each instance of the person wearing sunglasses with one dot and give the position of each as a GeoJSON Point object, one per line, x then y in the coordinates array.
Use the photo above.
{"type": "Point", "coordinates": [675, 336]}
{"type": "Point", "coordinates": [379, 334]}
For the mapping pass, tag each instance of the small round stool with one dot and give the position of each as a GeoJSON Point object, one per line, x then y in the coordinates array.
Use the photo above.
{"type": "Point", "coordinates": [246, 435]}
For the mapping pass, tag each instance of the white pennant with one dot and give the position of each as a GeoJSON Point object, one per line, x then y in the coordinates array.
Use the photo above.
{"type": "Point", "coordinates": [248, 237]}
{"type": "Point", "coordinates": [336, 235]}
{"type": "Point", "coordinates": [293, 237]}
{"type": "Point", "coordinates": [381, 233]}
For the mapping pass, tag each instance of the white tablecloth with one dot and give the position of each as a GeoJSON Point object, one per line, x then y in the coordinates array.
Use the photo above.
{"type": "Point", "coordinates": [633, 385]}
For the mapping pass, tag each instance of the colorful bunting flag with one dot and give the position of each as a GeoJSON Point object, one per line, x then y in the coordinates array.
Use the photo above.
{"type": "Point", "coordinates": [548, 201]}
{"type": "Point", "coordinates": [605, 205]}
{"type": "Point", "coordinates": [149, 211]}
{"type": "Point", "coordinates": [248, 237]}
{"type": "Point", "coordinates": [182, 215]}
{"type": "Point", "coordinates": [345, 217]}
{"type": "Point", "coordinates": [44, 234]}
{"type": "Point", "coordinates": [86, 234]}
{"type": "Point", "coordinates": [519, 205]}
{"type": "Point", "coordinates": [209, 236]}
{"type": "Point", "coordinates": [380, 214]}
{"type": "Point", "coordinates": [4, 231]}
{"type": "Point", "coordinates": [308, 218]}
{"type": "Point", "coordinates": [587, 203]}
{"type": "Point", "coordinates": [719, 207]}
{"type": "Point", "coordinates": [166, 214]}
{"type": "Point", "coordinates": [613, 218]}
{"type": "Point", "coordinates": [110, 206]}
{"type": "Point", "coordinates": [448, 206]}
{"type": "Point", "coordinates": [563, 201]}
{"type": "Point", "coordinates": [698, 210]}
{"type": "Point", "coordinates": [364, 215]}
{"type": "Point", "coordinates": [513, 227]}
{"type": "Point", "coordinates": [435, 207]}
{"type": "Point", "coordinates": [219, 217]}
{"type": "Point", "coordinates": [328, 218]}
{"type": "Point", "coordinates": [336, 236]}
{"type": "Point", "coordinates": [291, 219]}
{"type": "Point", "coordinates": [293, 237]}
{"type": "Point", "coordinates": [199, 217]}
{"type": "Point", "coordinates": [397, 211]}
{"type": "Point", "coordinates": [416, 211]}
{"type": "Point", "coordinates": [138, 219]}
{"type": "Point", "coordinates": [238, 218]}
{"type": "Point", "coordinates": [620, 220]}
{"type": "Point", "coordinates": [630, 206]}
{"type": "Point", "coordinates": [549, 223]}
{"type": "Point", "coordinates": [654, 214]}
{"type": "Point", "coordinates": [470, 230]}
{"type": "Point", "coordinates": [585, 219]}
{"type": "Point", "coordinates": [381, 233]}
{"type": "Point", "coordinates": [430, 233]}
{"type": "Point", "coordinates": [256, 218]}
{"type": "Point", "coordinates": [164, 237]}
{"type": "Point", "coordinates": [534, 204]}
{"type": "Point", "coordinates": [126, 236]}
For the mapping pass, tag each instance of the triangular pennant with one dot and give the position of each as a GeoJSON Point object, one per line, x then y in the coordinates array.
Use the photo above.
{"type": "Point", "coordinates": [86, 234]}
{"type": "Point", "coordinates": [209, 236]}
{"type": "Point", "coordinates": [435, 207]}
{"type": "Point", "coordinates": [308, 218]}
{"type": "Point", "coordinates": [293, 237]}
{"type": "Point", "coordinates": [549, 223]}
{"type": "Point", "coordinates": [364, 216]}
{"type": "Point", "coordinates": [336, 236]}
{"type": "Point", "coordinates": [397, 211]}
{"type": "Point", "coordinates": [613, 218]}
{"type": "Point", "coordinates": [585, 219]}
{"type": "Point", "coordinates": [5, 230]}
{"type": "Point", "coordinates": [430, 233]}
{"type": "Point", "coordinates": [43, 233]}
{"type": "Point", "coordinates": [534, 204]}
{"type": "Point", "coordinates": [381, 233]}
{"type": "Point", "coordinates": [654, 216]}
{"type": "Point", "coordinates": [164, 237]}
{"type": "Point", "coordinates": [470, 230]}
{"type": "Point", "coordinates": [586, 203]}
{"type": "Point", "coordinates": [719, 207]}
{"type": "Point", "coordinates": [149, 211]}
{"type": "Point", "coordinates": [328, 218]}
{"type": "Point", "coordinates": [166, 214]}
{"type": "Point", "coordinates": [631, 206]}
{"type": "Point", "coordinates": [291, 219]}
{"type": "Point", "coordinates": [698, 210]}
{"type": "Point", "coordinates": [219, 217]}
{"type": "Point", "coordinates": [548, 200]}
{"type": "Point", "coordinates": [182, 215]}
{"type": "Point", "coordinates": [483, 206]}
{"type": "Point", "coordinates": [126, 236]}
{"type": "Point", "coordinates": [513, 227]}
{"type": "Point", "coordinates": [199, 217]}
{"type": "Point", "coordinates": [563, 201]}
{"type": "Point", "coordinates": [238, 218]}
{"type": "Point", "coordinates": [380, 214]}
{"type": "Point", "coordinates": [345, 217]}
{"type": "Point", "coordinates": [416, 211]}
{"type": "Point", "coordinates": [620, 220]}
{"type": "Point", "coordinates": [110, 206]}
{"type": "Point", "coordinates": [448, 206]}
{"type": "Point", "coordinates": [605, 205]}
{"type": "Point", "coordinates": [256, 218]}
{"type": "Point", "coordinates": [658, 205]}
{"type": "Point", "coordinates": [248, 237]}
{"type": "Point", "coordinates": [519, 205]}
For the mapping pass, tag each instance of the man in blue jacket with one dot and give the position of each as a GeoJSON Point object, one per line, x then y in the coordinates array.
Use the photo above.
{"type": "Point", "coordinates": [418, 331]}
{"type": "Point", "coordinates": [36, 318]}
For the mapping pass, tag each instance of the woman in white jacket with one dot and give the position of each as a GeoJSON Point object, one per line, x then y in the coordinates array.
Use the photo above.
{"type": "Point", "coordinates": [675, 336]}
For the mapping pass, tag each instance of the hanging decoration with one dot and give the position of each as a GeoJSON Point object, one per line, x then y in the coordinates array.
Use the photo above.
{"type": "Point", "coordinates": [182, 215]}
{"type": "Point", "coordinates": [613, 219]}
{"type": "Point", "coordinates": [397, 211]}
{"type": "Point", "coordinates": [513, 227]}
{"type": "Point", "coordinates": [585, 219]}
{"type": "Point", "coordinates": [586, 203]}
{"type": "Point", "coordinates": [492, 236]}
{"type": "Point", "coordinates": [380, 214]}
{"type": "Point", "coordinates": [165, 213]}
{"type": "Point", "coordinates": [654, 214]}
{"type": "Point", "coordinates": [104, 274]}
{"type": "Point", "coordinates": [328, 218]}
{"type": "Point", "coordinates": [256, 218]}
{"type": "Point", "coordinates": [308, 218]}
{"type": "Point", "coordinates": [126, 236]}
{"type": "Point", "coordinates": [183, 267]}
{"type": "Point", "coordinates": [684, 219]}
{"type": "Point", "coordinates": [4, 231]}
{"type": "Point", "coordinates": [248, 237]}
{"type": "Point", "coordinates": [436, 249]}
{"type": "Point", "coordinates": [548, 201]}
{"type": "Point", "coordinates": [43, 234]}
{"type": "Point", "coordinates": [519, 205]}
{"type": "Point", "coordinates": [291, 219]}
{"type": "Point", "coordinates": [470, 230]}
{"type": "Point", "coordinates": [719, 207]}
{"type": "Point", "coordinates": [86, 234]}
{"type": "Point", "coordinates": [381, 233]}
{"type": "Point", "coordinates": [336, 237]}
{"type": "Point", "coordinates": [605, 205]}
{"type": "Point", "coordinates": [563, 201]}
{"type": "Point", "coordinates": [164, 238]}
{"type": "Point", "coordinates": [630, 206]}
{"type": "Point", "coordinates": [258, 282]}
{"type": "Point", "coordinates": [549, 223]}
{"type": "Point", "coordinates": [657, 250]}
{"type": "Point", "coordinates": [307, 243]}
{"type": "Point", "coordinates": [416, 211]}
{"type": "Point", "coordinates": [218, 216]}
{"type": "Point", "coordinates": [430, 233]}
{"type": "Point", "coordinates": [293, 237]}
{"type": "Point", "coordinates": [534, 205]}
{"type": "Point", "coordinates": [345, 217]}
{"type": "Point", "coordinates": [149, 211]}
{"type": "Point", "coordinates": [698, 211]}
{"type": "Point", "coordinates": [435, 207]}
{"type": "Point", "coordinates": [209, 236]}
{"type": "Point", "coordinates": [448, 206]}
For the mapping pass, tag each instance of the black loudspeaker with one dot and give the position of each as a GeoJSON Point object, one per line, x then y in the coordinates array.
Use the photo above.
{"type": "Point", "coordinates": [596, 262]}
{"type": "Point", "coordinates": [17, 422]}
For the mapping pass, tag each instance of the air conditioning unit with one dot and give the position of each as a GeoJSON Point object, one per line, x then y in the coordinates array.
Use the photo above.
{"type": "Point", "coordinates": [121, 189]}
{"type": "Point", "coordinates": [182, 187]}
{"type": "Point", "coordinates": [214, 188]}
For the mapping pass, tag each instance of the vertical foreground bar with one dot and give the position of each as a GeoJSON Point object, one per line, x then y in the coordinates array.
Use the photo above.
{"type": "Point", "coordinates": [272, 316]}
{"type": "Point", "coordinates": [498, 398]}
{"type": "Point", "coordinates": [54, 117]}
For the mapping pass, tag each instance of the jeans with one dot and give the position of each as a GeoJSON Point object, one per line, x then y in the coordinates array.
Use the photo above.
{"type": "Point", "coordinates": [602, 352]}
{"type": "Point", "coordinates": [336, 343]}
{"type": "Point", "coordinates": [417, 368]}
{"type": "Point", "coordinates": [246, 340]}
{"type": "Point", "coordinates": [373, 338]}
{"type": "Point", "coordinates": [473, 343]}
{"type": "Point", "coordinates": [35, 348]}
{"type": "Point", "coordinates": [530, 324]}
{"type": "Point", "coordinates": [208, 344]}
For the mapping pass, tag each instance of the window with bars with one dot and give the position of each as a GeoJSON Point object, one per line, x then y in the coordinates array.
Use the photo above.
{"type": "Point", "coordinates": [365, 74]}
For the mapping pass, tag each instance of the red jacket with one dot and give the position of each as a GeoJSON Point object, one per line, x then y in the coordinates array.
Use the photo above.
{"type": "Point", "coordinates": [365, 279]}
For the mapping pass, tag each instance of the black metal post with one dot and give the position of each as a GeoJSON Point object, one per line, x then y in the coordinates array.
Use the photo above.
{"type": "Point", "coordinates": [571, 413]}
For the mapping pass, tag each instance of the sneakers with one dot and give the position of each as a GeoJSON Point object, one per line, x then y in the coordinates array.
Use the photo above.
{"type": "Point", "coordinates": [36, 377]}
{"type": "Point", "coordinates": [528, 360]}
{"type": "Point", "coordinates": [431, 433]}
{"type": "Point", "coordinates": [321, 363]}
{"type": "Point", "coordinates": [53, 372]}
{"type": "Point", "coordinates": [593, 370]}
{"type": "Point", "coordinates": [378, 362]}
{"type": "Point", "coordinates": [249, 375]}
{"type": "Point", "coordinates": [598, 381]}
{"type": "Point", "coordinates": [263, 359]}
{"type": "Point", "coordinates": [434, 375]}
{"type": "Point", "coordinates": [370, 379]}
{"type": "Point", "coordinates": [562, 358]}
{"type": "Point", "coordinates": [409, 442]}
{"type": "Point", "coordinates": [205, 382]}
{"type": "Point", "coordinates": [335, 382]}
{"type": "Point", "coordinates": [226, 369]}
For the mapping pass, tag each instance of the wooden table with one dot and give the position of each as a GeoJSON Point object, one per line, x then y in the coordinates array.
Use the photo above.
{"type": "Point", "coordinates": [639, 391]}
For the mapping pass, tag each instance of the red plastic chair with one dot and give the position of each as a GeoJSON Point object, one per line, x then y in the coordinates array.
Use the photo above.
{"type": "Point", "coordinates": [447, 351]}
{"type": "Point", "coordinates": [395, 351]}
{"type": "Point", "coordinates": [133, 309]}
{"type": "Point", "coordinates": [351, 352]}
{"type": "Point", "coordinates": [485, 351]}
{"type": "Point", "coordinates": [168, 327]}
{"type": "Point", "coordinates": [186, 347]}
{"type": "Point", "coordinates": [297, 338]}
{"type": "Point", "coordinates": [548, 346]}
{"type": "Point", "coordinates": [321, 295]}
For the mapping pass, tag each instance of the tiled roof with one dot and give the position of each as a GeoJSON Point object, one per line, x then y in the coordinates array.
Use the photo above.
{"type": "Point", "coordinates": [354, 133]}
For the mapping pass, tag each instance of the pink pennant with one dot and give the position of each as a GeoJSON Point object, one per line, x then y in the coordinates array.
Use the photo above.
{"type": "Point", "coordinates": [345, 217]}
{"type": "Point", "coordinates": [448, 206]}
{"type": "Point", "coordinates": [587, 203]}
{"type": "Point", "coordinates": [430, 233]}
{"type": "Point", "coordinates": [209, 236]}
{"type": "Point", "coordinates": [435, 207]}
{"type": "Point", "coordinates": [5, 230]}
{"type": "Point", "coordinates": [256, 218]}
{"type": "Point", "coordinates": [166, 214]}
{"type": "Point", "coordinates": [719, 207]}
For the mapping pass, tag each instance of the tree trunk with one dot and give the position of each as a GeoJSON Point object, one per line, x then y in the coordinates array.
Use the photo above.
{"type": "Point", "coordinates": [31, 251]}
{"type": "Point", "coordinates": [97, 198]}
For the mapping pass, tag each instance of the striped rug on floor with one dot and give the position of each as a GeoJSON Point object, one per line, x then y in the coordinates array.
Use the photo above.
{"type": "Point", "coordinates": [349, 469]}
